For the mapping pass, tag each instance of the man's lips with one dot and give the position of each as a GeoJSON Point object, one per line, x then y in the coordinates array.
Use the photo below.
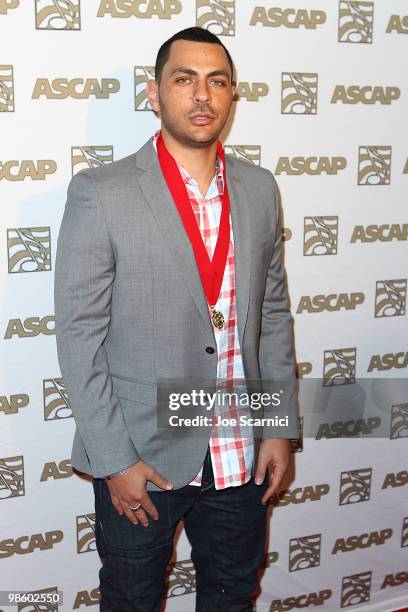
{"type": "Point", "coordinates": [201, 119]}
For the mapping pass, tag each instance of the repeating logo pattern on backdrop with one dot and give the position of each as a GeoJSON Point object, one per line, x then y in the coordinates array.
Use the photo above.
{"type": "Point", "coordinates": [29, 248]}
{"type": "Point", "coordinates": [217, 16]}
{"type": "Point", "coordinates": [84, 157]}
{"type": "Point", "coordinates": [49, 593]}
{"type": "Point", "coordinates": [85, 529]}
{"type": "Point", "coordinates": [390, 298]}
{"type": "Point", "coordinates": [56, 400]}
{"type": "Point", "coordinates": [320, 235]}
{"type": "Point", "coordinates": [304, 552]}
{"type": "Point", "coordinates": [356, 21]}
{"type": "Point", "coordinates": [142, 74]}
{"type": "Point", "coordinates": [355, 486]}
{"type": "Point", "coordinates": [355, 589]}
{"type": "Point", "coordinates": [299, 93]}
{"type": "Point", "coordinates": [6, 89]}
{"type": "Point", "coordinates": [339, 367]}
{"type": "Point", "coordinates": [12, 477]}
{"type": "Point", "coordinates": [248, 153]}
{"type": "Point", "coordinates": [374, 165]}
{"type": "Point", "coordinates": [57, 15]}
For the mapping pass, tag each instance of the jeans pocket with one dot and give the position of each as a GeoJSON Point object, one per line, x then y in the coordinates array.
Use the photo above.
{"type": "Point", "coordinates": [124, 538]}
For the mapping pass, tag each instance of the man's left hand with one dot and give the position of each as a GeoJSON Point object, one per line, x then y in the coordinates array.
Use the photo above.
{"type": "Point", "coordinates": [275, 455]}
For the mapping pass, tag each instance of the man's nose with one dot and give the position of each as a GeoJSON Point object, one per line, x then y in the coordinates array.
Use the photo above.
{"type": "Point", "coordinates": [202, 92]}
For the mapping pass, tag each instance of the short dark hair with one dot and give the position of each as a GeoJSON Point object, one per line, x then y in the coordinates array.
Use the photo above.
{"type": "Point", "coordinates": [194, 35]}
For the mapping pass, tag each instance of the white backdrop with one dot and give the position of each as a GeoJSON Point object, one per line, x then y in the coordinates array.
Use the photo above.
{"type": "Point", "coordinates": [322, 80]}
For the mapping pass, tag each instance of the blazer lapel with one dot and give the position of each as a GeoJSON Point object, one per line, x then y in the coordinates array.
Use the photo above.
{"type": "Point", "coordinates": [164, 210]}
{"type": "Point", "coordinates": [241, 226]}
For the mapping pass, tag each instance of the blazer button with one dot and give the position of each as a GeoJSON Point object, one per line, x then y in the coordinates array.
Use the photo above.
{"type": "Point", "coordinates": [210, 350]}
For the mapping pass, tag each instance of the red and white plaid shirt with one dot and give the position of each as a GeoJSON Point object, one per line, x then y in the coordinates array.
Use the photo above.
{"type": "Point", "coordinates": [231, 447]}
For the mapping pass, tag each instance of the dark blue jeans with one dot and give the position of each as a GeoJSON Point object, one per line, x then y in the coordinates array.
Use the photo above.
{"type": "Point", "coordinates": [226, 530]}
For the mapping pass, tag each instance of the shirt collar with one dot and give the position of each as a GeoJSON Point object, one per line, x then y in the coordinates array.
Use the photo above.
{"type": "Point", "coordinates": [217, 182]}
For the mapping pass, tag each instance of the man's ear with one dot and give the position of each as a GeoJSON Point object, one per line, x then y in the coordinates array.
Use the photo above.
{"type": "Point", "coordinates": [152, 90]}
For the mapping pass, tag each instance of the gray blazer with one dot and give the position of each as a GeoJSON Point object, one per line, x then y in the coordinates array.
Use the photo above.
{"type": "Point", "coordinates": [130, 309]}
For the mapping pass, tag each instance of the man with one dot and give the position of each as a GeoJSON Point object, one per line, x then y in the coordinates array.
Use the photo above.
{"type": "Point", "coordinates": [169, 266]}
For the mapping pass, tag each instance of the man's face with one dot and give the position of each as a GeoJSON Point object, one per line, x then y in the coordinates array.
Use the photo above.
{"type": "Point", "coordinates": [195, 93]}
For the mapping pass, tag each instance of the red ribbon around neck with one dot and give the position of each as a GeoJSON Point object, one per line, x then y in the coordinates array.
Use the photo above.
{"type": "Point", "coordinates": [211, 271]}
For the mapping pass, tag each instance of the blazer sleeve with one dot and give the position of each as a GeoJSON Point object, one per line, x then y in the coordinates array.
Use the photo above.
{"type": "Point", "coordinates": [276, 350]}
{"type": "Point", "coordinates": [84, 276]}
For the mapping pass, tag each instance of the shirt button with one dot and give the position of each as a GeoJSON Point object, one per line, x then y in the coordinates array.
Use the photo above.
{"type": "Point", "coordinates": [210, 350]}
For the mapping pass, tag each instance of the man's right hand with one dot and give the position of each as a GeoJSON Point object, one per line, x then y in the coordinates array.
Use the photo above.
{"type": "Point", "coordinates": [129, 489]}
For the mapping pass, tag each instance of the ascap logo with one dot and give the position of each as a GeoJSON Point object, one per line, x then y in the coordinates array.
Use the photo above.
{"type": "Point", "coordinates": [374, 165]}
{"type": "Point", "coordinates": [303, 369]}
{"type": "Point", "coordinates": [405, 170]}
{"type": "Point", "coordinates": [320, 235]}
{"type": "Point", "coordinates": [367, 94]}
{"type": "Point", "coordinates": [390, 298]}
{"type": "Point", "coordinates": [181, 578]}
{"type": "Point", "coordinates": [18, 171]}
{"type": "Point", "coordinates": [217, 16]}
{"type": "Point", "coordinates": [142, 75]}
{"type": "Point", "coordinates": [388, 361]}
{"type": "Point", "coordinates": [29, 249]}
{"type": "Point", "coordinates": [383, 233]}
{"type": "Point", "coordinates": [90, 157]}
{"type": "Point", "coordinates": [12, 477]}
{"type": "Point", "coordinates": [248, 153]}
{"type": "Point", "coordinates": [364, 540]}
{"type": "Point", "coordinates": [399, 421]}
{"type": "Point", "coordinates": [57, 15]}
{"type": "Point", "coordinates": [395, 479]}
{"type": "Point", "coordinates": [251, 91]}
{"type": "Point", "coordinates": [79, 89]}
{"type": "Point", "coordinates": [391, 580]}
{"type": "Point", "coordinates": [289, 18]}
{"type": "Point", "coordinates": [6, 89]}
{"type": "Point", "coordinates": [355, 486]}
{"type": "Point", "coordinates": [339, 367]}
{"type": "Point", "coordinates": [13, 405]}
{"type": "Point", "coordinates": [33, 326]}
{"type": "Point", "coordinates": [315, 598]}
{"type": "Point", "coordinates": [299, 93]}
{"type": "Point", "coordinates": [57, 471]}
{"type": "Point", "coordinates": [85, 598]}
{"type": "Point", "coordinates": [332, 302]}
{"type": "Point", "coordinates": [300, 496]}
{"type": "Point", "coordinates": [45, 600]}
{"type": "Point", "coordinates": [348, 429]}
{"type": "Point", "coordinates": [143, 9]}
{"type": "Point", "coordinates": [286, 234]}
{"type": "Point", "coordinates": [310, 165]}
{"type": "Point", "coordinates": [304, 552]}
{"type": "Point", "coordinates": [28, 544]}
{"type": "Point", "coordinates": [397, 24]}
{"type": "Point", "coordinates": [404, 533]}
{"type": "Point", "coordinates": [6, 5]}
{"type": "Point", "coordinates": [355, 589]}
{"type": "Point", "coordinates": [85, 533]}
{"type": "Point", "coordinates": [356, 21]}
{"type": "Point", "coordinates": [56, 400]}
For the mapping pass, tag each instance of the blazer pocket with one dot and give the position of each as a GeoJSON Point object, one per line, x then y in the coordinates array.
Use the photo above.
{"type": "Point", "coordinates": [135, 390]}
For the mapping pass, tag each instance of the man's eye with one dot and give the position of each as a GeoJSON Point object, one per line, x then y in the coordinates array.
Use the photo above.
{"type": "Point", "coordinates": [219, 83]}
{"type": "Point", "coordinates": [182, 80]}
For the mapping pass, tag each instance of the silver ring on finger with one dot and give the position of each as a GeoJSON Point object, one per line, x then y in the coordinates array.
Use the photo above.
{"type": "Point", "coordinates": [135, 508]}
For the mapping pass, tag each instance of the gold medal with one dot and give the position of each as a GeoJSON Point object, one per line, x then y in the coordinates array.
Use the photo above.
{"type": "Point", "coordinates": [217, 318]}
